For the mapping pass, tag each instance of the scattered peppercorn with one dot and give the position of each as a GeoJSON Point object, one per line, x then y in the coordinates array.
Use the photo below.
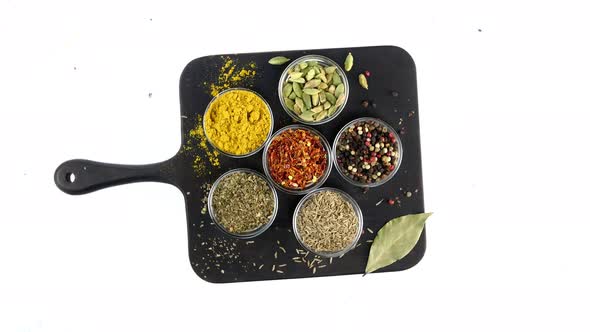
{"type": "Point", "coordinates": [365, 103]}
{"type": "Point", "coordinates": [367, 152]}
{"type": "Point", "coordinates": [367, 73]}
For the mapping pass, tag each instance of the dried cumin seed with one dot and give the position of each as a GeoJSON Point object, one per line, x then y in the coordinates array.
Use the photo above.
{"type": "Point", "coordinates": [279, 271]}
{"type": "Point", "coordinates": [330, 260]}
{"type": "Point", "coordinates": [282, 265]}
{"type": "Point", "coordinates": [314, 270]}
{"type": "Point", "coordinates": [260, 267]}
{"type": "Point", "coordinates": [379, 202]}
{"type": "Point", "coordinates": [249, 242]}
{"type": "Point", "coordinates": [275, 255]}
{"type": "Point", "coordinates": [321, 266]}
{"type": "Point", "coordinates": [283, 249]}
{"type": "Point", "coordinates": [273, 267]}
{"type": "Point", "coordinates": [369, 230]}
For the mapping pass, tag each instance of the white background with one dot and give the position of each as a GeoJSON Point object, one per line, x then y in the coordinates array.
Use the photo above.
{"type": "Point", "coordinates": [504, 120]}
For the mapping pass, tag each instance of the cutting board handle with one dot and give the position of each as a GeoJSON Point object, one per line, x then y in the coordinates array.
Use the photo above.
{"type": "Point", "coordinates": [79, 176]}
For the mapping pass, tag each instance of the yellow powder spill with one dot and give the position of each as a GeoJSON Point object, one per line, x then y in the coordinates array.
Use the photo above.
{"type": "Point", "coordinates": [231, 75]}
{"type": "Point", "coordinates": [198, 140]}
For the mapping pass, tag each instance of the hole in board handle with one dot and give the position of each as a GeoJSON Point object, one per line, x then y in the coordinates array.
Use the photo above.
{"type": "Point", "coordinates": [70, 177]}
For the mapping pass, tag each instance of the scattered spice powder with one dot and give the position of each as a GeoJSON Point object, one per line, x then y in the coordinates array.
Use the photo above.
{"type": "Point", "coordinates": [198, 140]}
{"type": "Point", "coordinates": [232, 74]}
{"type": "Point", "coordinates": [242, 202]}
{"type": "Point", "coordinates": [296, 158]}
{"type": "Point", "coordinates": [327, 222]}
{"type": "Point", "coordinates": [238, 122]}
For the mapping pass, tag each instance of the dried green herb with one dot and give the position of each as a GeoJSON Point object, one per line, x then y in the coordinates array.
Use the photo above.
{"type": "Point", "coordinates": [327, 222]}
{"type": "Point", "coordinates": [242, 202]}
{"type": "Point", "coordinates": [395, 240]}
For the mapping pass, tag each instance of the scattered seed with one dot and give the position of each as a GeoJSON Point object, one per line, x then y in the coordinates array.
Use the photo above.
{"type": "Point", "coordinates": [409, 194]}
{"type": "Point", "coordinates": [330, 260]}
{"type": "Point", "coordinates": [282, 265]}
{"type": "Point", "coordinates": [275, 255]}
{"type": "Point", "coordinates": [379, 202]}
{"type": "Point", "coordinates": [279, 271]}
{"type": "Point", "coordinates": [222, 272]}
{"type": "Point", "coordinates": [370, 230]}
{"type": "Point", "coordinates": [314, 270]}
{"type": "Point", "coordinates": [321, 266]}
{"type": "Point", "coordinates": [365, 103]}
{"type": "Point", "coordinates": [283, 249]}
{"type": "Point", "coordinates": [260, 267]}
{"type": "Point", "coordinates": [249, 242]}
{"type": "Point", "coordinates": [273, 267]}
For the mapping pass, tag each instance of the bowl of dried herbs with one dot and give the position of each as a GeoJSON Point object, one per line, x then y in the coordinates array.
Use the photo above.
{"type": "Point", "coordinates": [328, 222]}
{"type": "Point", "coordinates": [242, 203]}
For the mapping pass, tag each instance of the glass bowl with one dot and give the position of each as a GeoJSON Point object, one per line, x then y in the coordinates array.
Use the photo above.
{"type": "Point", "coordinates": [354, 205]}
{"type": "Point", "coordinates": [322, 178]}
{"type": "Point", "coordinates": [325, 62]}
{"type": "Point", "coordinates": [254, 232]}
{"type": "Point", "coordinates": [383, 180]}
{"type": "Point", "coordinates": [253, 151]}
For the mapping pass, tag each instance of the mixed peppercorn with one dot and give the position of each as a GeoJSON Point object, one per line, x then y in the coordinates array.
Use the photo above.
{"type": "Point", "coordinates": [296, 158]}
{"type": "Point", "coordinates": [367, 152]}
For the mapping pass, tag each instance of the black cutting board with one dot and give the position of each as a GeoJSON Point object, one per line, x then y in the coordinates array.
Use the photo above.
{"type": "Point", "coordinates": [214, 256]}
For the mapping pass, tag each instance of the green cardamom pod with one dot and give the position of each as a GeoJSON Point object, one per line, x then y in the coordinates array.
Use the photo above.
{"type": "Point", "coordinates": [278, 60]}
{"type": "Point", "coordinates": [297, 89]}
{"type": "Point", "coordinates": [322, 97]}
{"type": "Point", "coordinates": [340, 100]}
{"type": "Point", "coordinates": [307, 100]}
{"type": "Point", "coordinates": [331, 98]}
{"type": "Point", "coordinates": [323, 86]}
{"type": "Point", "coordinates": [321, 116]}
{"type": "Point", "coordinates": [292, 96]}
{"type": "Point", "coordinates": [336, 79]}
{"type": "Point", "coordinates": [311, 91]}
{"type": "Point", "coordinates": [296, 75]}
{"type": "Point", "coordinates": [302, 65]}
{"type": "Point", "coordinates": [310, 74]}
{"type": "Point", "coordinates": [289, 104]}
{"type": "Point", "coordinates": [315, 100]}
{"type": "Point", "coordinates": [363, 81]}
{"type": "Point", "coordinates": [331, 69]}
{"type": "Point", "coordinates": [312, 84]}
{"type": "Point", "coordinates": [348, 62]}
{"type": "Point", "coordinates": [297, 80]}
{"type": "Point", "coordinates": [307, 116]}
{"type": "Point", "coordinates": [317, 109]}
{"type": "Point", "coordinates": [287, 89]}
{"type": "Point", "coordinates": [299, 102]}
{"type": "Point", "coordinates": [339, 90]}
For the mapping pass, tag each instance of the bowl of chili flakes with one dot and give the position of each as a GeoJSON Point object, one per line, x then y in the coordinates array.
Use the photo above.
{"type": "Point", "coordinates": [297, 159]}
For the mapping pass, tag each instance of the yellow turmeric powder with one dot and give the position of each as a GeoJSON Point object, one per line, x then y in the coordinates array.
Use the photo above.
{"type": "Point", "coordinates": [231, 74]}
{"type": "Point", "coordinates": [237, 122]}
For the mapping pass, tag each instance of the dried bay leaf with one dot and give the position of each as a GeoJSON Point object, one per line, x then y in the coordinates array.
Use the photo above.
{"type": "Point", "coordinates": [395, 240]}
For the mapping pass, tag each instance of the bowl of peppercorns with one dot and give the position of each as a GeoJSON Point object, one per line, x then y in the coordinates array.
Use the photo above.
{"type": "Point", "coordinates": [367, 152]}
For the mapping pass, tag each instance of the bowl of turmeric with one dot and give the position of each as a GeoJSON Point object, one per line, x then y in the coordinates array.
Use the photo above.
{"type": "Point", "coordinates": [238, 122]}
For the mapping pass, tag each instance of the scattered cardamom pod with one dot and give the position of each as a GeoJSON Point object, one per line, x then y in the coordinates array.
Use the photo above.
{"type": "Point", "coordinates": [278, 60]}
{"type": "Point", "coordinates": [363, 81]}
{"type": "Point", "coordinates": [348, 62]}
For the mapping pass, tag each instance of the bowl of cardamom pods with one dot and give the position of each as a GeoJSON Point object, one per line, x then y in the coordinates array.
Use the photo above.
{"type": "Point", "coordinates": [313, 89]}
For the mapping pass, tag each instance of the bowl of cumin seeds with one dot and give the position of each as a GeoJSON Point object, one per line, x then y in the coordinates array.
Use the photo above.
{"type": "Point", "coordinates": [328, 222]}
{"type": "Point", "coordinates": [242, 203]}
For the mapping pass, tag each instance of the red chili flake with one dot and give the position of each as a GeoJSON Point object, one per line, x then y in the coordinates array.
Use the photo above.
{"type": "Point", "coordinates": [296, 158]}
{"type": "Point", "coordinates": [367, 73]}
{"type": "Point", "coordinates": [390, 202]}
